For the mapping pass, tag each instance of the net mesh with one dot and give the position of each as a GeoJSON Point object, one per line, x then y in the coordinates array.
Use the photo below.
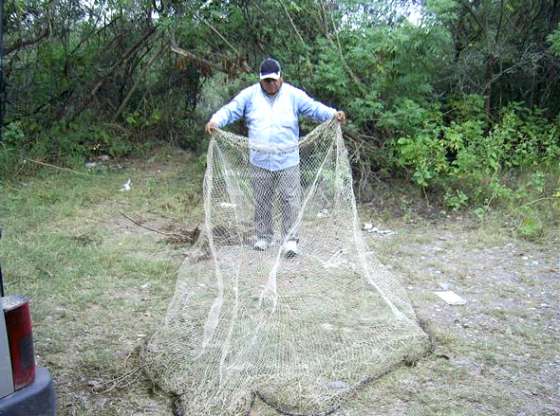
{"type": "Point", "coordinates": [301, 333]}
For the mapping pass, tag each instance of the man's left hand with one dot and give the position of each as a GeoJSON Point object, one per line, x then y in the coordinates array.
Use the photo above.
{"type": "Point", "coordinates": [340, 117]}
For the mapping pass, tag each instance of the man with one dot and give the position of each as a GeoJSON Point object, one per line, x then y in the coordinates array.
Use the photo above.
{"type": "Point", "coordinates": [271, 109]}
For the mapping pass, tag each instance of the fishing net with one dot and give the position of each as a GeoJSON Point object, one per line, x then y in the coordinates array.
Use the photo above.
{"type": "Point", "coordinates": [300, 333]}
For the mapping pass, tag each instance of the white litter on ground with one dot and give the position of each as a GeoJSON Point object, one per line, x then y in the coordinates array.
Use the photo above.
{"type": "Point", "coordinates": [451, 297]}
{"type": "Point", "coordinates": [127, 186]}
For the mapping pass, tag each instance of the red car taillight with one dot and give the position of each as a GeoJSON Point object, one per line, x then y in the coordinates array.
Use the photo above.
{"type": "Point", "coordinates": [20, 338]}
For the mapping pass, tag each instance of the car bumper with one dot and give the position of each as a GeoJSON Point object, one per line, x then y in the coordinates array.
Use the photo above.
{"type": "Point", "coordinates": [37, 399]}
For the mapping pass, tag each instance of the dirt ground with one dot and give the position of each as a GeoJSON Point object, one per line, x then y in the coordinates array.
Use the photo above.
{"type": "Point", "coordinates": [498, 354]}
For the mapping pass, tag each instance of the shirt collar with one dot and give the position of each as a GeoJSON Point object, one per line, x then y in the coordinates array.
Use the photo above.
{"type": "Point", "coordinates": [271, 97]}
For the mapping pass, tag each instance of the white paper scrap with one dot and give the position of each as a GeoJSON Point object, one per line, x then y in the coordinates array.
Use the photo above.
{"type": "Point", "coordinates": [451, 297]}
{"type": "Point", "coordinates": [126, 186]}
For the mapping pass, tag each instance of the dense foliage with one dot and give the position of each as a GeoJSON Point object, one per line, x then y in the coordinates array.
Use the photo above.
{"type": "Point", "coordinates": [458, 96]}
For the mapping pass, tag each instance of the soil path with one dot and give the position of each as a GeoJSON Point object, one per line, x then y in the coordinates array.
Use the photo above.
{"type": "Point", "coordinates": [499, 354]}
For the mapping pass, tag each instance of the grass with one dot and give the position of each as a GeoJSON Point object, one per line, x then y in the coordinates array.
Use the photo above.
{"type": "Point", "coordinates": [98, 283]}
{"type": "Point", "coordinates": [100, 286]}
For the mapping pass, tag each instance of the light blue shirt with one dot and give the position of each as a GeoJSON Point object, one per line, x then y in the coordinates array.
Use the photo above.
{"type": "Point", "coordinates": [273, 122]}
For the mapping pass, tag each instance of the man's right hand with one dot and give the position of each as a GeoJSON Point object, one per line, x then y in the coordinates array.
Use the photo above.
{"type": "Point", "coordinates": [211, 127]}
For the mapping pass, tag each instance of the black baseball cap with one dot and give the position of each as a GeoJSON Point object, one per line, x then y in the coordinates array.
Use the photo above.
{"type": "Point", "coordinates": [270, 68]}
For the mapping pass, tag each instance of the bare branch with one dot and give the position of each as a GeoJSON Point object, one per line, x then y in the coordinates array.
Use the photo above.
{"type": "Point", "coordinates": [499, 28]}
{"type": "Point", "coordinates": [189, 237]}
{"type": "Point", "coordinates": [292, 22]}
{"type": "Point", "coordinates": [351, 73]}
{"type": "Point", "coordinates": [135, 85]}
{"type": "Point", "coordinates": [221, 36]}
{"type": "Point", "coordinates": [195, 58]}
{"type": "Point", "coordinates": [469, 9]}
{"type": "Point", "coordinates": [20, 43]}
{"type": "Point", "coordinates": [124, 58]}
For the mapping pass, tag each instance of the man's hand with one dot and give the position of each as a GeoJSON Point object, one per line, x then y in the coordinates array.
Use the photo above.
{"type": "Point", "coordinates": [211, 127]}
{"type": "Point", "coordinates": [340, 117]}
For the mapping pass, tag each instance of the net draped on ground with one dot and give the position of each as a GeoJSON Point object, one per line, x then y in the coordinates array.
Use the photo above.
{"type": "Point", "coordinates": [301, 333]}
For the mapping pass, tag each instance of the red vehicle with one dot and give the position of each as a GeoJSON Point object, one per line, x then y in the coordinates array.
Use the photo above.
{"type": "Point", "coordinates": [25, 390]}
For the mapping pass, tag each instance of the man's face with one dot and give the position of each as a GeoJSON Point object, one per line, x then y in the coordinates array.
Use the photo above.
{"type": "Point", "coordinates": [270, 85]}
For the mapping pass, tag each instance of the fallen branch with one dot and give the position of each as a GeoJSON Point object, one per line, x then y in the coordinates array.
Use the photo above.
{"type": "Point", "coordinates": [56, 167]}
{"type": "Point", "coordinates": [116, 382]}
{"type": "Point", "coordinates": [177, 237]}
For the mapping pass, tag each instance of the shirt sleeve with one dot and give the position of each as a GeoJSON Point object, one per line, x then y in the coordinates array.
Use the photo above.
{"type": "Point", "coordinates": [315, 110]}
{"type": "Point", "coordinates": [233, 110]}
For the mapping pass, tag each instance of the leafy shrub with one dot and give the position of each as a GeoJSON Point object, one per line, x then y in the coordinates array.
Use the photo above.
{"type": "Point", "coordinates": [457, 200]}
{"type": "Point", "coordinates": [554, 40]}
{"type": "Point", "coordinates": [530, 226]}
{"type": "Point", "coordinates": [464, 159]}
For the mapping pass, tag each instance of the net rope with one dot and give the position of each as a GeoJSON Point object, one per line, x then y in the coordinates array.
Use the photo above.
{"type": "Point", "coordinates": [301, 333]}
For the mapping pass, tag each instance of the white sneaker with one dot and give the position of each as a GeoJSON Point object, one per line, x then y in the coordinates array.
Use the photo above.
{"type": "Point", "coordinates": [290, 248]}
{"type": "Point", "coordinates": [261, 245]}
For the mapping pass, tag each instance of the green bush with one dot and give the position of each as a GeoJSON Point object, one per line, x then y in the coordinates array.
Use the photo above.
{"type": "Point", "coordinates": [469, 163]}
